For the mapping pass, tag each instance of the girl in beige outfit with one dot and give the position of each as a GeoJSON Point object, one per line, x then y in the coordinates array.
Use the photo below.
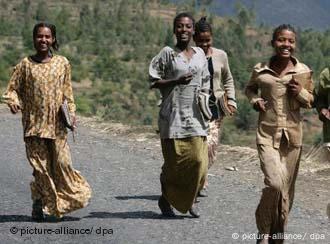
{"type": "Point", "coordinates": [278, 97]}
{"type": "Point", "coordinates": [221, 83]}
{"type": "Point", "coordinates": [37, 87]}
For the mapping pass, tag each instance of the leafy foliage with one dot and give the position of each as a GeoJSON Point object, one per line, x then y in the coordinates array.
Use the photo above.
{"type": "Point", "coordinates": [111, 43]}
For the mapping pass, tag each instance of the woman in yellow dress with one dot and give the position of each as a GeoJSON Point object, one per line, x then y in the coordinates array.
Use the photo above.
{"type": "Point", "coordinates": [38, 86]}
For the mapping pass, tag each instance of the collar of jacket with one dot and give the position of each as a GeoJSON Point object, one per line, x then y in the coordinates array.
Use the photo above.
{"type": "Point", "coordinates": [178, 50]}
{"type": "Point", "coordinates": [265, 66]}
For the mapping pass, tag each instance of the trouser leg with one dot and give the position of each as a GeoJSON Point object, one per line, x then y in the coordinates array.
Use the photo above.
{"type": "Point", "coordinates": [280, 167]}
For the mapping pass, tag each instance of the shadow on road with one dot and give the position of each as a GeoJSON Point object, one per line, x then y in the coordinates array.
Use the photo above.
{"type": "Point", "coordinates": [25, 218]}
{"type": "Point", "coordinates": [15, 218]}
{"type": "Point", "coordinates": [128, 215]}
{"type": "Point", "coordinates": [147, 197]}
{"type": "Point", "coordinates": [64, 219]}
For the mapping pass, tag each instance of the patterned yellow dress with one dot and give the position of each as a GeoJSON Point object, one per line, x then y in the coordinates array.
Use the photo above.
{"type": "Point", "coordinates": [39, 89]}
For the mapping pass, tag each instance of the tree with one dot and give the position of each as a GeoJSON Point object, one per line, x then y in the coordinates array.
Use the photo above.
{"type": "Point", "coordinates": [169, 38]}
{"type": "Point", "coordinates": [245, 16]}
{"type": "Point", "coordinates": [246, 118]}
{"type": "Point", "coordinates": [42, 12]}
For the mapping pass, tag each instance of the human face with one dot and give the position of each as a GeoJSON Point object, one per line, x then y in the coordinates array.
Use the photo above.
{"type": "Point", "coordinates": [204, 41]}
{"type": "Point", "coordinates": [284, 43]}
{"type": "Point", "coordinates": [183, 29]}
{"type": "Point", "coordinates": [43, 40]}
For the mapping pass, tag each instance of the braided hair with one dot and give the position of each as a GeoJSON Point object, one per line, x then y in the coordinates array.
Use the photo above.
{"type": "Point", "coordinates": [202, 26]}
{"type": "Point", "coordinates": [52, 28]}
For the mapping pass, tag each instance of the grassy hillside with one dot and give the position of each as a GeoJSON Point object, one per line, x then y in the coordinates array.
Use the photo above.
{"type": "Point", "coordinates": [110, 45]}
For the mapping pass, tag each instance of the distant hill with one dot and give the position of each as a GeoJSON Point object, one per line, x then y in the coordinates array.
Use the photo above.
{"type": "Point", "coordinates": [300, 13]}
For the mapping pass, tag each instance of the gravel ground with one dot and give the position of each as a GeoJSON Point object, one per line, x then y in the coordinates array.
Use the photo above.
{"type": "Point", "coordinates": [124, 175]}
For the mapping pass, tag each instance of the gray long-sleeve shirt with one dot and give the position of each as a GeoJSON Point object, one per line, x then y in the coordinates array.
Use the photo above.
{"type": "Point", "coordinates": [180, 115]}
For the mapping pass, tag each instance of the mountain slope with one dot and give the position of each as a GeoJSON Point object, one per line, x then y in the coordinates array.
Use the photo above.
{"type": "Point", "coordinates": [301, 13]}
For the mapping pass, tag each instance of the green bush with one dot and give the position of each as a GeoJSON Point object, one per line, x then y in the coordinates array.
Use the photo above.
{"type": "Point", "coordinates": [246, 117]}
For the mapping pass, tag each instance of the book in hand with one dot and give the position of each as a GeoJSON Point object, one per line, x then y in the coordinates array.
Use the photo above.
{"type": "Point", "coordinates": [223, 106]}
{"type": "Point", "coordinates": [66, 118]}
{"type": "Point", "coordinates": [203, 101]}
{"type": "Point", "coordinates": [305, 79]}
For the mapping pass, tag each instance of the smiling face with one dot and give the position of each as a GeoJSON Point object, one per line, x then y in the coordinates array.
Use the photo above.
{"type": "Point", "coordinates": [204, 40]}
{"type": "Point", "coordinates": [284, 43]}
{"type": "Point", "coordinates": [43, 40]}
{"type": "Point", "coordinates": [183, 29]}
